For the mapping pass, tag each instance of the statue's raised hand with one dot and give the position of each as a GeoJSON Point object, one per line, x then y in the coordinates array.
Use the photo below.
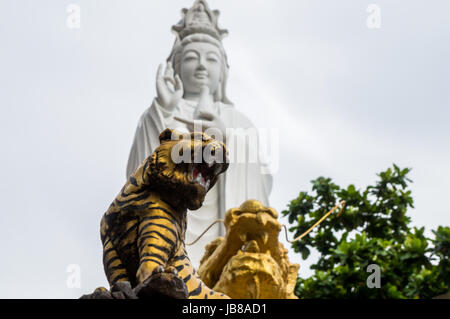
{"type": "Point", "coordinates": [168, 97]}
{"type": "Point", "coordinates": [208, 122]}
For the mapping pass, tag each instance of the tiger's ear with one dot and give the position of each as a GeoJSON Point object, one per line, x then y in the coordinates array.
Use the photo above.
{"type": "Point", "coordinates": [165, 135]}
{"type": "Point", "coordinates": [169, 135]}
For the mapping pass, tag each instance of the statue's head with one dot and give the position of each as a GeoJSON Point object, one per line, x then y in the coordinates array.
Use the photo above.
{"type": "Point", "coordinates": [198, 56]}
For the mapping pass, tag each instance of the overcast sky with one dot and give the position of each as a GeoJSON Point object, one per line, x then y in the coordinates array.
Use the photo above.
{"type": "Point", "coordinates": [348, 102]}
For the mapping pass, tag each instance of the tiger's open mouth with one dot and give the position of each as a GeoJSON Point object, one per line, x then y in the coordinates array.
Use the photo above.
{"type": "Point", "coordinates": [205, 173]}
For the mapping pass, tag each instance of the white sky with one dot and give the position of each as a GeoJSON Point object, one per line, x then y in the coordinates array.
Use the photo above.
{"type": "Point", "coordinates": [349, 101]}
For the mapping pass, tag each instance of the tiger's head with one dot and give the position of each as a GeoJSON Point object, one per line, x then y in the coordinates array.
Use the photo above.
{"type": "Point", "coordinates": [185, 167]}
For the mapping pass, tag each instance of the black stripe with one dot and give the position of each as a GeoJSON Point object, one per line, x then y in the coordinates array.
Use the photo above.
{"type": "Point", "coordinates": [154, 255]}
{"type": "Point", "coordinates": [107, 251]}
{"type": "Point", "coordinates": [110, 216]}
{"type": "Point", "coordinates": [196, 291]}
{"type": "Point", "coordinates": [133, 208]}
{"type": "Point", "coordinates": [187, 278]}
{"type": "Point", "coordinates": [116, 268]}
{"type": "Point", "coordinates": [120, 203]}
{"type": "Point", "coordinates": [130, 245]}
{"type": "Point", "coordinates": [177, 258]}
{"type": "Point", "coordinates": [145, 236]}
{"type": "Point", "coordinates": [106, 242]}
{"type": "Point", "coordinates": [163, 249]}
{"type": "Point", "coordinates": [126, 217]}
{"type": "Point", "coordinates": [157, 225]}
{"type": "Point", "coordinates": [123, 220]}
{"type": "Point", "coordinates": [121, 217]}
{"type": "Point", "coordinates": [133, 181]}
{"type": "Point", "coordinates": [127, 232]}
{"type": "Point", "coordinates": [168, 213]}
{"type": "Point", "coordinates": [111, 261]}
{"type": "Point", "coordinates": [168, 204]}
{"type": "Point", "coordinates": [150, 259]}
{"type": "Point", "coordinates": [156, 217]}
{"type": "Point", "coordinates": [127, 246]}
{"type": "Point", "coordinates": [122, 192]}
{"type": "Point", "coordinates": [179, 268]}
{"type": "Point", "coordinates": [122, 276]}
{"type": "Point", "coordinates": [127, 212]}
{"type": "Point", "coordinates": [136, 192]}
{"type": "Point", "coordinates": [171, 215]}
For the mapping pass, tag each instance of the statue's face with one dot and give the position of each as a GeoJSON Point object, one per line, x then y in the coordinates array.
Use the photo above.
{"type": "Point", "coordinates": [200, 65]}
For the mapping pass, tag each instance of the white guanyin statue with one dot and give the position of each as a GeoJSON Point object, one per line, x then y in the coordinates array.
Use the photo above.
{"type": "Point", "coordinates": [192, 88]}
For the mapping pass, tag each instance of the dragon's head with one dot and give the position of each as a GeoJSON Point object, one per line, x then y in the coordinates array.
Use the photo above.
{"type": "Point", "coordinates": [249, 262]}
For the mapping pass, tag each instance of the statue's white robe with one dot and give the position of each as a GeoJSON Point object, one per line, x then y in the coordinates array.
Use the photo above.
{"type": "Point", "coordinates": [244, 179]}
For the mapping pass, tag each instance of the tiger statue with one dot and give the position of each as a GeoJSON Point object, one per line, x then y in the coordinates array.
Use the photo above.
{"type": "Point", "coordinates": [143, 231]}
{"type": "Point", "coordinates": [250, 262]}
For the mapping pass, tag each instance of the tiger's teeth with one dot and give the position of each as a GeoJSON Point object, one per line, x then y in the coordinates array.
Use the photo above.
{"type": "Point", "coordinates": [202, 181]}
{"type": "Point", "coordinates": [199, 178]}
{"type": "Point", "coordinates": [262, 219]}
{"type": "Point", "coordinates": [265, 237]}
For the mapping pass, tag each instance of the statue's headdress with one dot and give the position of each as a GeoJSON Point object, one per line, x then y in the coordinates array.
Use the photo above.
{"type": "Point", "coordinates": [199, 19]}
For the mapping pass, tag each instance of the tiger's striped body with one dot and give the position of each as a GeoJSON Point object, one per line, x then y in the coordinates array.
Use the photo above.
{"type": "Point", "coordinates": [142, 230]}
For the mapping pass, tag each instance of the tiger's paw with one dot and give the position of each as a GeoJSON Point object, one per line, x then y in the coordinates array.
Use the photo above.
{"type": "Point", "coordinates": [162, 284]}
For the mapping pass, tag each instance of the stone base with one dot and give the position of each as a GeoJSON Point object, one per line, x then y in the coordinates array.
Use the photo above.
{"type": "Point", "coordinates": [158, 286]}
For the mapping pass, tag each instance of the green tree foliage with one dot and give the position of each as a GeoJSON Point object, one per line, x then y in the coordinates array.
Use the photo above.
{"type": "Point", "coordinates": [372, 229]}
